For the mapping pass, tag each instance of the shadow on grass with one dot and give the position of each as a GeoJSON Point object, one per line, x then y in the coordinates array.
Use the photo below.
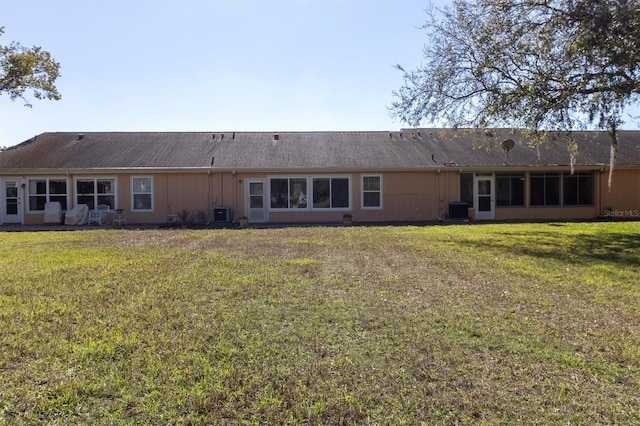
{"type": "Point", "coordinates": [577, 248]}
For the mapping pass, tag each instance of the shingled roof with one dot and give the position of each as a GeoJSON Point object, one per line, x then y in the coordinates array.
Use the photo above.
{"type": "Point", "coordinates": [485, 148]}
{"type": "Point", "coordinates": [407, 149]}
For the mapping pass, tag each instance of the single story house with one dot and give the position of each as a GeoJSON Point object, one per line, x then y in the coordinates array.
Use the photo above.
{"type": "Point", "coordinates": [317, 177]}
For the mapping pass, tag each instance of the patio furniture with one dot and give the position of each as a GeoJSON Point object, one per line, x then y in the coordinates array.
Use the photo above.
{"type": "Point", "coordinates": [53, 213]}
{"type": "Point", "coordinates": [119, 219]}
{"type": "Point", "coordinates": [77, 215]}
{"type": "Point", "coordinates": [99, 215]}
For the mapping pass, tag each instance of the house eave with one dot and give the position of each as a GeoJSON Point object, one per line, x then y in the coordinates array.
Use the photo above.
{"type": "Point", "coordinates": [528, 168]}
{"type": "Point", "coordinates": [101, 170]}
{"type": "Point", "coordinates": [305, 170]}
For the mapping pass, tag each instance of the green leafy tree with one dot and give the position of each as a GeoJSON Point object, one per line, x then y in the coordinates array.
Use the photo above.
{"type": "Point", "coordinates": [535, 64]}
{"type": "Point", "coordinates": [23, 69]}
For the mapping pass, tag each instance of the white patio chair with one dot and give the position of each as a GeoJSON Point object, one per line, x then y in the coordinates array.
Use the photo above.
{"type": "Point", "coordinates": [99, 215]}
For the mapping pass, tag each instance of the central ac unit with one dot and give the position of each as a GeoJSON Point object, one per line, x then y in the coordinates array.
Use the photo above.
{"type": "Point", "coordinates": [221, 214]}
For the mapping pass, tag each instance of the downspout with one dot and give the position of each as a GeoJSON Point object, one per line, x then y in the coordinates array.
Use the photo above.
{"type": "Point", "coordinates": [220, 186]}
{"type": "Point", "coordinates": [209, 211]}
{"type": "Point", "coordinates": [72, 194]}
{"type": "Point", "coordinates": [446, 190]}
{"type": "Point", "coordinates": [209, 195]}
{"type": "Point", "coordinates": [166, 194]}
{"type": "Point", "coordinates": [599, 192]}
{"type": "Point", "coordinates": [439, 217]}
{"type": "Point", "coordinates": [234, 180]}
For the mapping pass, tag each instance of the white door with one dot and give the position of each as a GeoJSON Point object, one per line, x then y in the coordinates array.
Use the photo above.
{"type": "Point", "coordinates": [256, 204]}
{"type": "Point", "coordinates": [484, 199]}
{"type": "Point", "coordinates": [11, 201]}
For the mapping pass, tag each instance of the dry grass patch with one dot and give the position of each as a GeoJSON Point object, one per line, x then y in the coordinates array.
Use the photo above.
{"type": "Point", "coordinates": [535, 323]}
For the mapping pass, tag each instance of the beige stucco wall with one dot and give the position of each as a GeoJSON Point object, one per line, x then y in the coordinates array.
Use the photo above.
{"type": "Point", "coordinates": [182, 194]}
{"type": "Point", "coordinates": [174, 194]}
{"type": "Point", "coordinates": [407, 196]}
{"type": "Point", "coordinates": [624, 197]}
{"type": "Point", "coordinates": [623, 200]}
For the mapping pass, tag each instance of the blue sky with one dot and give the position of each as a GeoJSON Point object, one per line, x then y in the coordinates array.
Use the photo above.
{"type": "Point", "coordinates": [217, 65]}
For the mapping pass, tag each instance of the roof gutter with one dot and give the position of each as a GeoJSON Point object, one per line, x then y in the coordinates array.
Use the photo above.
{"type": "Point", "coordinates": [499, 169]}
{"type": "Point", "coordinates": [434, 168]}
{"type": "Point", "coordinates": [114, 170]}
{"type": "Point", "coordinates": [121, 170]}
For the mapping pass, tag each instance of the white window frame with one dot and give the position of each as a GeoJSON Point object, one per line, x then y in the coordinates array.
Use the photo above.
{"type": "Point", "coordinates": [95, 180]}
{"type": "Point", "coordinates": [288, 209]}
{"type": "Point", "coordinates": [331, 209]}
{"type": "Point", "coordinates": [47, 194]}
{"type": "Point", "coordinates": [133, 194]}
{"type": "Point", "coordinates": [363, 191]}
{"type": "Point", "coordinates": [309, 179]}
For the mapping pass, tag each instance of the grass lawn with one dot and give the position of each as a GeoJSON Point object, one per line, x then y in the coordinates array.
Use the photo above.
{"type": "Point", "coordinates": [482, 324]}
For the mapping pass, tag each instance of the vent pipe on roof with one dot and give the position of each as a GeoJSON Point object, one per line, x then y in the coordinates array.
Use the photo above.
{"type": "Point", "coordinates": [390, 135]}
{"type": "Point", "coordinates": [213, 136]}
{"type": "Point", "coordinates": [222, 136]}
